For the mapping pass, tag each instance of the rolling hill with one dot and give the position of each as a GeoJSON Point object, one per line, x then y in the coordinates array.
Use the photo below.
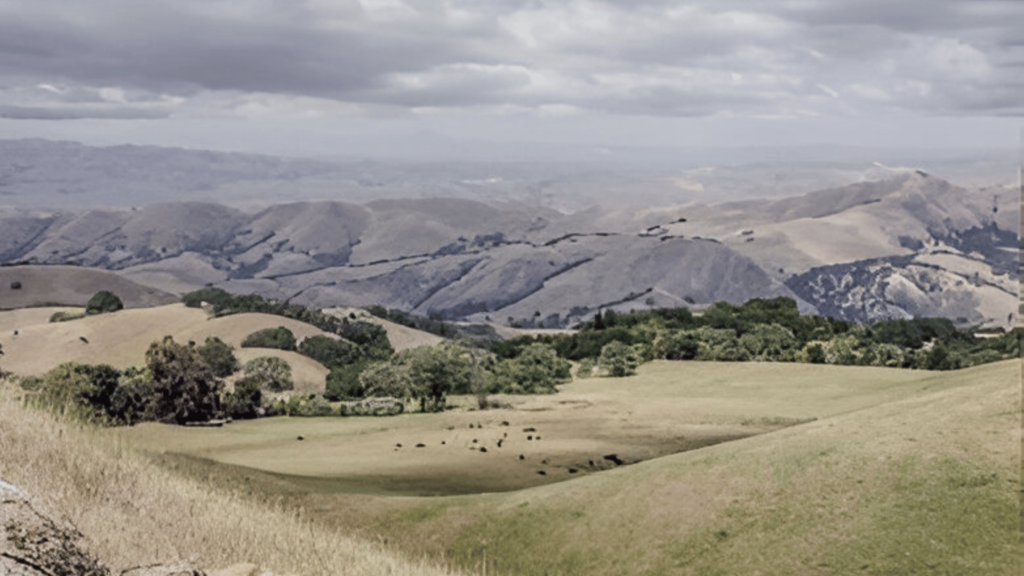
{"type": "Point", "coordinates": [910, 244]}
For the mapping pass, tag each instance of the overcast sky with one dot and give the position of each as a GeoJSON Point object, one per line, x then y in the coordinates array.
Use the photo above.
{"type": "Point", "coordinates": [423, 77]}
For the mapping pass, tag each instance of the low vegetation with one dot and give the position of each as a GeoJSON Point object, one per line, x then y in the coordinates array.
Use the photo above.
{"type": "Point", "coordinates": [768, 330]}
{"type": "Point", "coordinates": [103, 302]}
{"type": "Point", "coordinates": [136, 513]}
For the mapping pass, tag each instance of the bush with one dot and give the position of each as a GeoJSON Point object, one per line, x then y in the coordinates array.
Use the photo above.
{"type": "Point", "coordinates": [219, 299]}
{"type": "Point", "coordinates": [103, 302]}
{"type": "Point", "coordinates": [312, 405]}
{"type": "Point", "coordinates": [535, 371]}
{"type": "Point", "coordinates": [90, 393]}
{"type": "Point", "coordinates": [219, 356]}
{"type": "Point", "coordinates": [244, 402]}
{"type": "Point", "coordinates": [619, 359]}
{"type": "Point", "coordinates": [372, 407]}
{"type": "Point", "coordinates": [280, 338]}
{"type": "Point", "coordinates": [343, 381]}
{"type": "Point", "coordinates": [272, 373]}
{"type": "Point", "coordinates": [64, 316]}
{"type": "Point", "coordinates": [329, 351]}
{"type": "Point", "coordinates": [184, 387]}
{"type": "Point", "coordinates": [386, 379]}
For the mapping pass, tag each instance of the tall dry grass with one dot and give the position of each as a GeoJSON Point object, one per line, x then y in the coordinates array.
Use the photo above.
{"type": "Point", "coordinates": [134, 513]}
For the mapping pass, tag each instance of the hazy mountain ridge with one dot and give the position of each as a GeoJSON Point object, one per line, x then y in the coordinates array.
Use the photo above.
{"type": "Point", "coordinates": [911, 245]}
{"type": "Point", "coordinates": [907, 243]}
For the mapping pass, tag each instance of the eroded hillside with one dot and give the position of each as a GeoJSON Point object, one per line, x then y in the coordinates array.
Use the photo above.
{"type": "Point", "coordinates": [909, 245]}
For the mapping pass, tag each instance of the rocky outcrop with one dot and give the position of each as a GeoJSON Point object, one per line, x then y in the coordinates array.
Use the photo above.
{"type": "Point", "coordinates": [34, 544]}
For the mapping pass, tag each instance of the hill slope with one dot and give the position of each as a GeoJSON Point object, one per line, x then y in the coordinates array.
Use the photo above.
{"type": "Point", "coordinates": [122, 338]}
{"type": "Point", "coordinates": [925, 484]}
{"type": "Point", "coordinates": [909, 245]}
{"type": "Point", "coordinates": [22, 286]}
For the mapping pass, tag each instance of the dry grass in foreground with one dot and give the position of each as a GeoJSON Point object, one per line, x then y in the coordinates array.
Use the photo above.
{"type": "Point", "coordinates": [134, 513]}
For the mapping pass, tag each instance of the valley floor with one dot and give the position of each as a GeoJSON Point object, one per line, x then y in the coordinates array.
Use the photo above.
{"type": "Point", "coordinates": [899, 472]}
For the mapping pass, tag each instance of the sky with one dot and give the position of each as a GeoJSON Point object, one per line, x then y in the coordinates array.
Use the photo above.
{"type": "Point", "coordinates": [430, 78]}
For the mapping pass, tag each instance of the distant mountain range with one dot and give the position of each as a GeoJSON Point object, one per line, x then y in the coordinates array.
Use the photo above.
{"type": "Point", "coordinates": [904, 245]}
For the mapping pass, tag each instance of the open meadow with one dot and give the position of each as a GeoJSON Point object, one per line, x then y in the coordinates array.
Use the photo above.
{"type": "Point", "coordinates": [831, 470]}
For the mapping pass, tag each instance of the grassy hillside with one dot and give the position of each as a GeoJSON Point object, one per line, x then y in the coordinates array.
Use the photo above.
{"type": "Point", "coordinates": [134, 513]}
{"type": "Point", "coordinates": [923, 485]}
{"type": "Point", "coordinates": [121, 338]}
{"type": "Point", "coordinates": [903, 472]}
{"type": "Point", "coordinates": [71, 286]}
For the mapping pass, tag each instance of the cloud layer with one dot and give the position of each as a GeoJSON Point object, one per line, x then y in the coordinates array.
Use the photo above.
{"type": "Point", "coordinates": [138, 59]}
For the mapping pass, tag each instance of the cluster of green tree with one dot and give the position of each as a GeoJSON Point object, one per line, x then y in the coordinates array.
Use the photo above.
{"type": "Point", "coordinates": [768, 330]}
{"type": "Point", "coordinates": [430, 374]}
{"type": "Point", "coordinates": [101, 302]}
{"type": "Point", "coordinates": [180, 383]}
{"type": "Point", "coordinates": [370, 337]}
{"type": "Point", "coordinates": [478, 334]}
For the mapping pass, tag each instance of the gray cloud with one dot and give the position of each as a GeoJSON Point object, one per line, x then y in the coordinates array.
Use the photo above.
{"type": "Point", "coordinates": [649, 57]}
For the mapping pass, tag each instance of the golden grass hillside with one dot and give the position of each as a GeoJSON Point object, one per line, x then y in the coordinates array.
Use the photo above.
{"type": "Point", "coordinates": [122, 338]}
{"type": "Point", "coordinates": [924, 484]}
{"type": "Point", "coordinates": [71, 286]}
{"type": "Point", "coordinates": [134, 513]}
{"type": "Point", "coordinates": [903, 472]}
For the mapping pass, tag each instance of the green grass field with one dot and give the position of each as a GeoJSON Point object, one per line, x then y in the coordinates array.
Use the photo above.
{"type": "Point", "coordinates": [900, 472]}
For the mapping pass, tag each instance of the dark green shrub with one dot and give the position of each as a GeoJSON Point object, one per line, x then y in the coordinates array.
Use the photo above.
{"type": "Point", "coordinates": [220, 356]}
{"type": "Point", "coordinates": [103, 302]}
{"type": "Point", "coordinates": [272, 373]}
{"type": "Point", "coordinates": [535, 371]}
{"type": "Point", "coordinates": [372, 407]}
{"type": "Point", "coordinates": [280, 338]}
{"type": "Point", "coordinates": [244, 402]}
{"type": "Point", "coordinates": [64, 316]}
{"type": "Point", "coordinates": [343, 381]}
{"type": "Point", "coordinates": [619, 359]}
{"type": "Point", "coordinates": [215, 297]}
{"type": "Point", "coordinates": [184, 387]}
{"type": "Point", "coordinates": [329, 351]}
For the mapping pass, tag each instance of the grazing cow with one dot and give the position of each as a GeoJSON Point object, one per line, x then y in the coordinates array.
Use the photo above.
{"type": "Point", "coordinates": [83, 339]}
{"type": "Point", "coordinates": [529, 437]}
{"type": "Point", "coordinates": [542, 473]}
{"type": "Point", "coordinates": [421, 445]}
{"type": "Point", "coordinates": [521, 457]}
{"type": "Point", "coordinates": [474, 440]}
{"type": "Point", "coordinates": [301, 438]}
{"type": "Point", "coordinates": [499, 443]}
{"type": "Point", "coordinates": [591, 463]}
{"type": "Point", "coordinates": [398, 445]}
{"type": "Point", "coordinates": [504, 422]}
{"type": "Point", "coordinates": [482, 449]}
{"type": "Point", "coordinates": [614, 458]}
{"type": "Point", "coordinates": [529, 429]}
{"type": "Point", "coordinates": [443, 442]}
{"type": "Point", "coordinates": [573, 470]}
{"type": "Point", "coordinates": [471, 426]}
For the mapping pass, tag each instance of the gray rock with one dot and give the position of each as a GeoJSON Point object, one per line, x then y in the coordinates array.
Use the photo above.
{"type": "Point", "coordinates": [33, 544]}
